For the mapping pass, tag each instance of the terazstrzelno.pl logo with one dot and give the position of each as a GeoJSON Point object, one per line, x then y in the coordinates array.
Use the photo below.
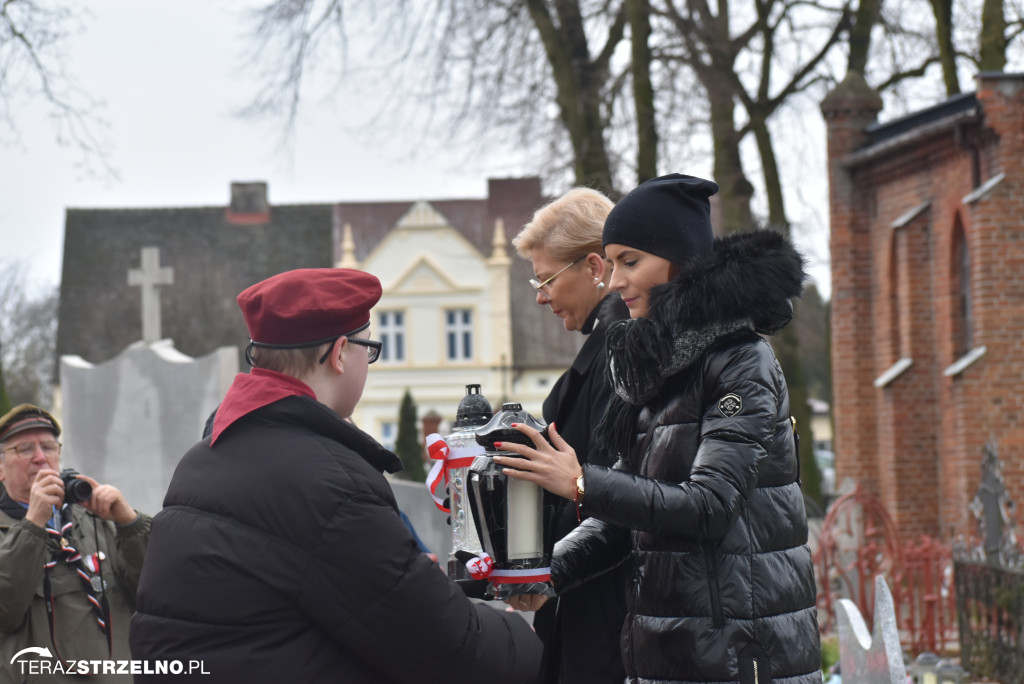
{"type": "Point", "coordinates": [45, 664]}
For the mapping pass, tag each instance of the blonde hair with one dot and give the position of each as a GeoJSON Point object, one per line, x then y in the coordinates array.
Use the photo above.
{"type": "Point", "coordinates": [294, 362]}
{"type": "Point", "coordinates": [566, 228]}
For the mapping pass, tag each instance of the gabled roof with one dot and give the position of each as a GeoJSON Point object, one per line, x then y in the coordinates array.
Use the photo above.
{"type": "Point", "coordinates": [538, 337]}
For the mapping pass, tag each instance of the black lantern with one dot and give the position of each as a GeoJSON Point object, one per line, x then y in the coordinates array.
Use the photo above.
{"type": "Point", "coordinates": [514, 518]}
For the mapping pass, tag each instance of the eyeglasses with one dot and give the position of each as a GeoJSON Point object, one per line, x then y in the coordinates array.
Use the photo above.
{"type": "Point", "coordinates": [538, 285]}
{"type": "Point", "coordinates": [373, 347]}
{"type": "Point", "coordinates": [27, 449]}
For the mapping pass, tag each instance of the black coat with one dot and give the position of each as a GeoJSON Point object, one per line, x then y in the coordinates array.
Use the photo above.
{"type": "Point", "coordinates": [280, 556]}
{"type": "Point", "coordinates": [581, 629]}
{"type": "Point", "coordinates": [706, 498]}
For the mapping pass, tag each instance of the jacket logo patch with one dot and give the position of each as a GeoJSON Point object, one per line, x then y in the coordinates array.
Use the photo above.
{"type": "Point", "coordinates": [730, 405]}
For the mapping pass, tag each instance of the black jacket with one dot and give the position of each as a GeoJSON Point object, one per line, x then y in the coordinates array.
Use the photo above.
{"type": "Point", "coordinates": [280, 556]}
{"type": "Point", "coordinates": [581, 630]}
{"type": "Point", "coordinates": [705, 498]}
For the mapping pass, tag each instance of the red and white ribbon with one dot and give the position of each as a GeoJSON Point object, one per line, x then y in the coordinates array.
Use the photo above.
{"type": "Point", "coordinates": [520, 576]}
{"type": "Point", "coordinates": [93, 561]}
{"type": "Point", "coordinates": [437, 480]}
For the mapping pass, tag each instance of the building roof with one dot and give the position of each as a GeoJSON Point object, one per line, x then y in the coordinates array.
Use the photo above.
{"type": "Point", "coordinates": [213, 260]}
{"type": "Point", "coordinates": [538, 338]}
{"type": "Point", "coordinates": [216, 252]}
{"type": "Point", "coordinates": [885, 138]}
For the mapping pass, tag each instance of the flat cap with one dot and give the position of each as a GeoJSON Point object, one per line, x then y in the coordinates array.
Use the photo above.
{"type": "Point", "coordinates": [308, 306]}
{"type": "Point", "coordinates": [27, 417]}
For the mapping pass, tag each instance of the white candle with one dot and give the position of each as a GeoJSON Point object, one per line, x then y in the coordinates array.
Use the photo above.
{"type": "Point", "coordinates": [525, 535]}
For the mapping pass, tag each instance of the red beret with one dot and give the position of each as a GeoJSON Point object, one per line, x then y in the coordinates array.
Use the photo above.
{"type": "Point", "coordinates": [308, 306]}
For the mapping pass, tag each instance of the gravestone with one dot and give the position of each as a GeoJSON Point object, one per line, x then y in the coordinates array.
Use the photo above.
{"type": "Point", "coordinates": [870, 657]}
{"type": "Point", "coordinates": [994, 512]}
{"type": "Point", "coordinates": [128, 421]}
{"type": "Point", "coordinates": [430, 524]}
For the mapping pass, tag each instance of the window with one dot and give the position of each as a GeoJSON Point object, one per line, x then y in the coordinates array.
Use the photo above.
{"type": "Point", "coordinates": [391, 331]}
{"type": "Point", "coordinates": [458, 330]}
{"type": "Point", "coordinates": [388, 433]}
{"type": "Point", "coordinates": [895, 319]}
{"type": "Point", "coordinates": [963, 334]}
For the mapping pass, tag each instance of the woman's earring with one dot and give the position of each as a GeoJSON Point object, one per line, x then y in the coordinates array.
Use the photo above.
{"type": "Point", "coordinates": [600, 283]}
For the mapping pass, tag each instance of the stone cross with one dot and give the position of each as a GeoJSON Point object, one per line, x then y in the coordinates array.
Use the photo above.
{"type": "Point", "coordinates": [871, 657]}
{"type": "Point", "coordinates": [993, 510]}
{"type": "Point", "coordinates": [148, 278]}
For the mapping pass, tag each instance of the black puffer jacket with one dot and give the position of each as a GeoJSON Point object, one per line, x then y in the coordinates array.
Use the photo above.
{"type": "Point", "coordinates": [706, 497]}
{"type": "Point", "coordinates": [280, 556]}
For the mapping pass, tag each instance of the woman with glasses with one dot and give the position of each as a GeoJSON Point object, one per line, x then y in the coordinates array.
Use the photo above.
{"type": "Point", "coordinates": [705, 499]}
{"type": "Point", "coordinates": [563, 241]}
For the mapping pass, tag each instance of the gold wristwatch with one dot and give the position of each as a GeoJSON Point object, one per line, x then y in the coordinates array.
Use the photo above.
{"type": "Point", "coordinates": [579, 489]}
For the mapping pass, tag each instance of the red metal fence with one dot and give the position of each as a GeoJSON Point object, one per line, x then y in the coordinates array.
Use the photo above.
{"type": "Point", "coordinates": [859, 541]}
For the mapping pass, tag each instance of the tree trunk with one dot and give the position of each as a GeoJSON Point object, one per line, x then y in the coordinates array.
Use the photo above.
{"type": "Point", "coordinates": [993, 37]}
{"type": "Point", "coordinates": [772, 182]}
{"type": "Point", "coordinates": [860, 34]}
{"type": "Point", "coordinates": [943, 10]}
{"type": "Point", "coordinates": [579, 81]}
{"type": "Point", "coordinates": [643, 93]}
{"type": "Point", "coordinates": [735, 190]}
{"type": "Point", "coordinates": [787, 348]}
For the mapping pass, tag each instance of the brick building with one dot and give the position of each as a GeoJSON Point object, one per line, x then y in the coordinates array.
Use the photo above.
{"type": "Point", "coordinates": [927, 240]}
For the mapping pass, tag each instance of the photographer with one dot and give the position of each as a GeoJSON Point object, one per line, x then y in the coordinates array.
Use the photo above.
{"type": "Point", "coordinates": [67, 575]}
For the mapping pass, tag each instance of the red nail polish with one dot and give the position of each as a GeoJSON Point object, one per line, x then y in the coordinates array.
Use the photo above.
{"type": "Point", "coordinates": [513, 424]}
{"type": "Point", "coordinates": [497, 445]}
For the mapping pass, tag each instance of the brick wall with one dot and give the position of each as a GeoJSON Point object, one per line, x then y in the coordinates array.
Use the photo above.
{"type": "Point", "coordinates": [898, 210]}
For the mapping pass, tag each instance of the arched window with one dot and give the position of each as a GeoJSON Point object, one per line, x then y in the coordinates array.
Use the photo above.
{"type": "Point", "coordinates": [960, 282]}
{"type": "Point", "coordinates": [894, 297]}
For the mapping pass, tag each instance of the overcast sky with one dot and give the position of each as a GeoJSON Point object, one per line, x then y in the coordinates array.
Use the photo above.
{"type": "Point", "coordinates": [171, 79]}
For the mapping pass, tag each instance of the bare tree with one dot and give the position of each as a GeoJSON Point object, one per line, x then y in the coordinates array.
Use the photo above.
{"type": "Point", "coordinates": [33, 66]}
{"type": "Point", "coordinates": [539, 74]}
{"type": "Point", "coordinates": [28, 338]}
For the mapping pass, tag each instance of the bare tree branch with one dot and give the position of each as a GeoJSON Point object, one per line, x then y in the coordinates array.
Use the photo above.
{"type": "Point", "coordinates": [33, 65]}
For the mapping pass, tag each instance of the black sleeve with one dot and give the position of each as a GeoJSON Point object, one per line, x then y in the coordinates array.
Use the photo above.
{"type": "Point", "coordinates": [725, 468]}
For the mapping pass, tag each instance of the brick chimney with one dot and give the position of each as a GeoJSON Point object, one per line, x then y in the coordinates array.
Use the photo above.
{"type": "Point", "coordinates": [248, 203]}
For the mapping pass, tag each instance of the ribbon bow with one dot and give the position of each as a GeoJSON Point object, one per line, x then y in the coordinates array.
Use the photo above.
{"type": "Point", "coordinates": [480, 567]}
{"type": "Point", "coordinates": [438, 479]}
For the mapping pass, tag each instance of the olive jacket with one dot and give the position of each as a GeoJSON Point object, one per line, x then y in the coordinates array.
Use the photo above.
{"type": "Point", "coordinates": [25, 550]}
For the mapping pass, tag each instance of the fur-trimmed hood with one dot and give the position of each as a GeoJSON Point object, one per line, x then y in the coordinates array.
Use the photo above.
{"type": "Point", "coordinates": [747, 276]}
{"type": "Point", "coordinates": [745, 283]}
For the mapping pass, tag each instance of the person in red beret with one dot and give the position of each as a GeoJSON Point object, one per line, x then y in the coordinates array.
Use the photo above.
{"type": "Point", "coordinates": [280, 554]}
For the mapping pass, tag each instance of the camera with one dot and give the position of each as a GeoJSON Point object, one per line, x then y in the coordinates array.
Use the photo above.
{"type": "Point", "coordinates": [75, 490]}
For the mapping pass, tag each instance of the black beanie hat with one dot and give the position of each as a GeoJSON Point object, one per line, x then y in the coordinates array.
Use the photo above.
{"type": "Point", "coordinates": [668, 216]}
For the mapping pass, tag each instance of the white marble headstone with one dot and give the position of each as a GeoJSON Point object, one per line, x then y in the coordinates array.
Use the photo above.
{"type": "Point", "coordinates": [127, 422]}
{"type": "Point", "coordinates": [870, 657]}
